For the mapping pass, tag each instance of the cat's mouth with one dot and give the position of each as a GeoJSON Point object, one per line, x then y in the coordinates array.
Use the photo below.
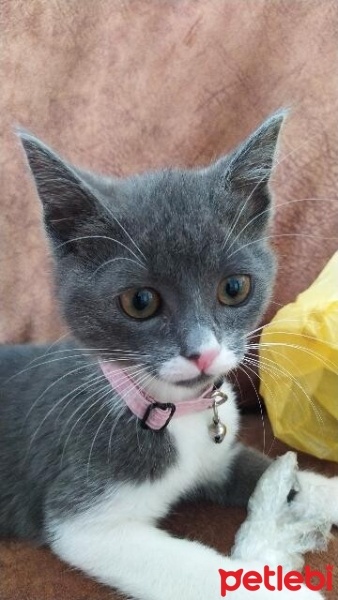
{"type": "Point", "coordinates": [202, 378]}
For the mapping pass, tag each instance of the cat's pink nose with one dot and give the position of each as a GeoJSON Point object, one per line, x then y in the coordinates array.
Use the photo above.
{"type": "Point", "coordinates": [205, 359]}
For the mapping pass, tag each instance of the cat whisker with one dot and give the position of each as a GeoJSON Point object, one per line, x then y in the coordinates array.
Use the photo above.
{"type": "Point", "coordinates": [125, 232]}
{"type": "Point", "coordinates": [138, 382]}
{"type": "Point", "coordinates": [51, 385]}
{"type": "Point", "coordinates": [104, 237]}
{"type": "Point", "coordinates": [81, 354]}
{"type": "Point", "coordinates": [301, 335]}
{"type": "Point", "coordinates": [53, 408]}
{"type": "Point", "coordinates": [101, 392]}
{"type": "Point", "coordinates": [135, 369]}
{"type": "Point", "coordinates": [117, 419]}
{"type": "Point", "coordinates": [30, 366]}
{"type": "Point", "coordinates": [137, 421]}
{"type": "Point", "coordinates": [258, 329]}
{"type": "Point", "coordinates": [275, 374]}
{"type": "Point", "coordinates": [57, 341]}
{"type": "Point", "coordinates": [111, 260]}
{"type": "Point", "coordinates": [246, 366]}
{"type": "Point", "coordinates": [251, 361]}
{"type": "Point", "coordinates": [241, 367]}
{"type": "Point", "coordinates": [270, 365]}
{"type": "Point", "coordinates": [107, 385]}
{"type": "Point", "coordinates": [108, 414]}
{"type": "Point", "coordinates": [317, 355]}
{"type": "Point", "coordinates": [280, 235]}
{"type": "Point", "coordinates": [84, 387]}
{"type": "Point", "coordinates": [243, 207]}
{"type": "Point", "coordinates": [260, 180]}
{"type": "Point", "coordinates": [78, 389]}
{"type": "Point", "coordinates": [267, 212]}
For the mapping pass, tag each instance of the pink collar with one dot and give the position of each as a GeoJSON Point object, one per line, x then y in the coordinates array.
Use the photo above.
{"type": "Point", "coordinates": [153, 414]}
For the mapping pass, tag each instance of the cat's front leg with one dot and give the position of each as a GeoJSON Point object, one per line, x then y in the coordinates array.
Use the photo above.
{"type": "Point", "coordinates": [317, 495]}
{"type": "Point", "coordinates": [148, 564]}
{"type": "Point", "coordinates": [140, 560]}
{"type": "Point", "coordinates": [235, 487]}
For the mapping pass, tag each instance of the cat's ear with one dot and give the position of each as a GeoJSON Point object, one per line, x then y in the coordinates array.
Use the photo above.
{"type": "Point", "coordinates": [247, 171]}
{"type": "Point", "coordinates": [68, 203]}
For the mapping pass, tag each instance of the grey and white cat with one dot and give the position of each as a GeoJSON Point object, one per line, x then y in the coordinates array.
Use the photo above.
{"type": "Point", "coordinates": [164, 275]}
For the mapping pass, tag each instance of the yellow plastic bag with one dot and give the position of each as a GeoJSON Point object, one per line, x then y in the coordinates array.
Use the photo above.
{"type": "Point", "coordinates": [299, 368]}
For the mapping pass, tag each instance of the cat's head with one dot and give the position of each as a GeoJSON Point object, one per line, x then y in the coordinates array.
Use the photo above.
{"type": "Point", "coordinates": [166, 271]}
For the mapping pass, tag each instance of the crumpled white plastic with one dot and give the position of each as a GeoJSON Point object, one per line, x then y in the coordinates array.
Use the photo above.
{"type": "Point", "coordinates": [273, 533]}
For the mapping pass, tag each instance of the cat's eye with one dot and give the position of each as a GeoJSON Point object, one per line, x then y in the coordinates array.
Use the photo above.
{"type": "Point", "coordinates": [140, 303]}
{"type": "Point", "coordinates": [233, 290]}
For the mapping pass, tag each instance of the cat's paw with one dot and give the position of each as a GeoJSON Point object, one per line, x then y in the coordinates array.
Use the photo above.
{"type": "Point", "coordinates": [275, 530]}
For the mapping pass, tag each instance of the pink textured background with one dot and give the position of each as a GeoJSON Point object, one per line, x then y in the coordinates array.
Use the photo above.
{"type": "Point", "coordinates": [121, 86]}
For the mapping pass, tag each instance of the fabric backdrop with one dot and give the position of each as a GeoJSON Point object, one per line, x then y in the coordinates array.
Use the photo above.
{"type": "Point", "coordinates": [122, 86]}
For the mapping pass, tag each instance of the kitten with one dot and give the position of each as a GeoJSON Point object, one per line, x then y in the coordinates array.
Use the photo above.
{"type": "Point", "coordinates": [161, 277]}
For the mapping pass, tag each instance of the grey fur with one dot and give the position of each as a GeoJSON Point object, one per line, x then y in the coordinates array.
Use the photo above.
{"type": "Point", "coordinates": [179, 231]}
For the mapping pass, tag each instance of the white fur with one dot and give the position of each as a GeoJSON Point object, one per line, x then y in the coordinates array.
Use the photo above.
{"type": "Point", "coordinates": [181, 369]}
{"type": "Point", "coordinates": [117, 542]}
{"type": "Point", "coordinates": [178, 369]}
{"type": "Point", "coordinates": [225, 362]}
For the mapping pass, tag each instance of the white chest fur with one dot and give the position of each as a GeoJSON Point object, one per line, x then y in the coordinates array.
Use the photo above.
{"type": "Point", "coordinates": [116, 540]}
{"type": "Point", "coordinates": [199, 460]}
